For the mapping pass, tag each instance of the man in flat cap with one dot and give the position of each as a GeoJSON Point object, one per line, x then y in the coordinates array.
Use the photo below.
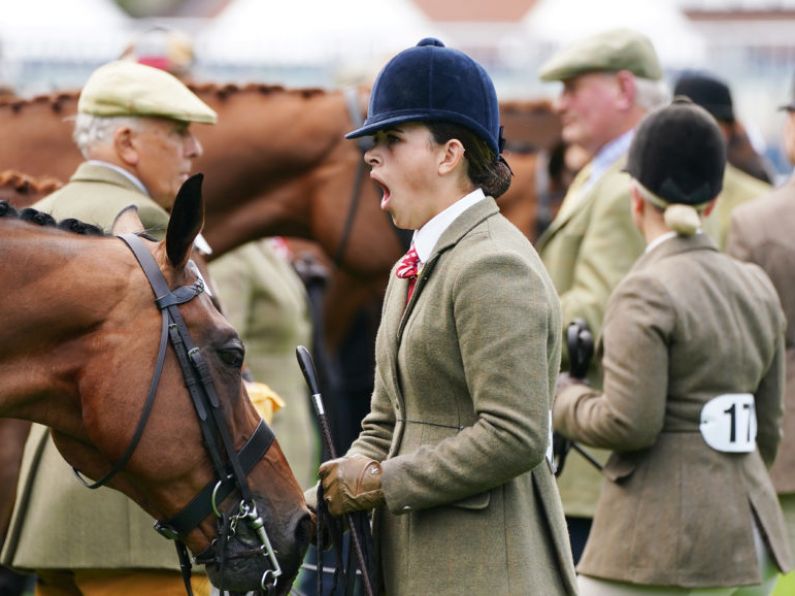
{"type": "Point", "coordinates": [762, 232]}
{"type": "Point", "coordinates": [714, 95]}
{"type": "Point", "coordinates": [610, 81]}
{"type": "Point", "coordinates": [133, 128]}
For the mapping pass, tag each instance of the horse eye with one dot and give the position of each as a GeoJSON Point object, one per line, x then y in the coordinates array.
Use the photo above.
{"type": "Point", "coordinates": [232, 356]}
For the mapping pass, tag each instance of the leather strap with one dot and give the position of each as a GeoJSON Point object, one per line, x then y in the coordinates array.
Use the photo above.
{"type": "Point", "coordinates": [200, 506]}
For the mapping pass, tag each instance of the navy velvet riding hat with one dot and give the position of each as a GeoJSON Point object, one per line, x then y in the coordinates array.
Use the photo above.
{"type": "Point", "coordinates": [430, 82]}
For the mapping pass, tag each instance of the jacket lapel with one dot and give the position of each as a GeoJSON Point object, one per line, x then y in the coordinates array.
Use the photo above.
{"type": "Point", "coordinates": [573, 203]}
{"type": "Point", "coordinates": [458, 229]}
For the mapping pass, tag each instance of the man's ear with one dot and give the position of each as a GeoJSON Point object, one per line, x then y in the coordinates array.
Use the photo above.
{"type": "Point", "coordinates": [627, 89]}
{"type": "Point", "coordinates": [452, 154]}
{"type": "Point", "coordinates": [124, 146]}
{"type": "Point", "coordinates": [127, 222]}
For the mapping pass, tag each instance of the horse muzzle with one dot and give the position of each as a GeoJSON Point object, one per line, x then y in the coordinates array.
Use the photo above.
{"type": "Point", "coordinates": [247, 557]}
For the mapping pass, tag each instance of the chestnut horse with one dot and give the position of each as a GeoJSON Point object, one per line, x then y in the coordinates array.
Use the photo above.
{"type": "Point", "coordinates": [77, 353]}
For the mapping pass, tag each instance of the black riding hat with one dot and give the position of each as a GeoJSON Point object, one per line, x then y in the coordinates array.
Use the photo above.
{"type": "Point", "coordinates": [708, 92]}
{"type": "Point", "coordinates": [678, 154]}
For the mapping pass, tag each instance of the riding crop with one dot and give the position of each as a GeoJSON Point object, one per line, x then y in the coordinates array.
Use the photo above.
{"type": "Point", "coordinates": [308, 368]}
{"type": "Point", "coordinates": [579, 341]}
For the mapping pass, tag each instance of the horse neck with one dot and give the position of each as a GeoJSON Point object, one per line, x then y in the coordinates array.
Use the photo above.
{"type": "Point", "coordinates": [54, 300]}
{"type": "Point", "coordinates": [38, 135]}
{"type": "Point", "coordinates": [267, 159]}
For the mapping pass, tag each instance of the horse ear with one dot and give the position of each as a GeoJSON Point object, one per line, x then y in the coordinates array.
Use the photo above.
{"type": "Point", "coordinates": [187, 219]}
{"type": "Point", "coordinates": [127, 222]}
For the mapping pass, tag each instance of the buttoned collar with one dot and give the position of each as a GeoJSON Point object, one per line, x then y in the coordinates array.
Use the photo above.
{"type": "Point", "coordinates": [427, 236]}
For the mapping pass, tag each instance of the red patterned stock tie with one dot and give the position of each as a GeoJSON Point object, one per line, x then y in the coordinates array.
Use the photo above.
{"type": "Point", "coordinates": [408, 269]}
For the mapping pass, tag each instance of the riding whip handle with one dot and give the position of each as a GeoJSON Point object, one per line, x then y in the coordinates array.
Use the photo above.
{"type": "Point", "coordinates": [310, 374]}
{"type": "Point", "coordinates": [579, 341]}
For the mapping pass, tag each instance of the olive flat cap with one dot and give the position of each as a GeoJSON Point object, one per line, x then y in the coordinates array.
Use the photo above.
{"type": "Point", "coordinates": [124, 88]}
{"type": "Point", "coordinates": [610, 51]}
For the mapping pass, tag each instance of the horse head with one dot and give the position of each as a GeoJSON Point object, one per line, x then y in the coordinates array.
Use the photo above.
{"type": "Point", "coordinates": [143, 391]}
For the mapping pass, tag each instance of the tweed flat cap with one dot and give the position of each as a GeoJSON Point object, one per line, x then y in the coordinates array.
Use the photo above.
{"type": "Point", "coordinates": [124, 88]}
{"type": "Point", "coordinates": [610, 51]}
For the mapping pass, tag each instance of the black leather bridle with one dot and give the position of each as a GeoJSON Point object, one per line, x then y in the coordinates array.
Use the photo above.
{"type": "Point", "coordinates": [231, 467]}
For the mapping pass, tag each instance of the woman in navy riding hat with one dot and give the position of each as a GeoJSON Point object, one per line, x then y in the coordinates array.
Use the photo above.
{"type": "Point", "coordinates": [453, 454]}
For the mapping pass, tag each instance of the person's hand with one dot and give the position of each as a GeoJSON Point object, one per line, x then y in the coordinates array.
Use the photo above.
{"type": "Point", "coordinates": [351, 483]}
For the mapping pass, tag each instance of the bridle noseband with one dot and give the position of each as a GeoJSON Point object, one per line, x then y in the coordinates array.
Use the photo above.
{"type": "Point", "coordinates": [231, 467]}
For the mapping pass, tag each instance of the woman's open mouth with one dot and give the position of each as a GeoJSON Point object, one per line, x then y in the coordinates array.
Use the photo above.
{"type": "Point", "coordinates": [385, 193]}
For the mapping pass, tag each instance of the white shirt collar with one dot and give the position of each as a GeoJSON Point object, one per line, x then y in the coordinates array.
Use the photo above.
{"type": "Point", "coordinates": [427, 236]}
{"type": "Point", "coordinates": [122, 171]}
{"type": "Point", "coordinates": [659, 240]}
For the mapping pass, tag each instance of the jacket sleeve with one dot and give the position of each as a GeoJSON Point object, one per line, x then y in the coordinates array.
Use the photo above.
{"type": "Point", "coordinates": [610, 246]}
{"type": "Point", "coordinates": [233, 279]}
{"type": "Point", "coordinates": [629, 414]}
{"type": "Point", "coordinates": [508, 328]}
{"type": "Point", "coordinates": [770, 407]}
{"type": "Point", "coordinates": [736, 244]}
{"type": "Point", "coordinates": [378, 426]}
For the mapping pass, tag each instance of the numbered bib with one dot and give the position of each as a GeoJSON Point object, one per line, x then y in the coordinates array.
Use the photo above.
{"type": "Point", "coordinates": [728, 423]}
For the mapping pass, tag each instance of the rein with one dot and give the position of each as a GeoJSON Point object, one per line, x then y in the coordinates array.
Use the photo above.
{"type": "Point", "coordinates": [231, 466]}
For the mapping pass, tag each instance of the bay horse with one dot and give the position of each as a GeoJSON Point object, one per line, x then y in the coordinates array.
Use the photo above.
{"type": "Point", "coordinates": [79, 353]}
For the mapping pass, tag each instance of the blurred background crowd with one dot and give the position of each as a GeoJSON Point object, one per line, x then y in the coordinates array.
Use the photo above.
{"type": "Point", "coordinates": [47, 45]}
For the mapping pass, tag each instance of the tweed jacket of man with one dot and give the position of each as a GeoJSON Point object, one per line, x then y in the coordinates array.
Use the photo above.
{"type": "Point", "coordinates": [738, 188]}
{"type": "Point", "coordinates": [687, 324]}
{"type": "Point", "coordinates": [587, 250]}
{"type": "Point", "coordinates": [465, 374]}
{"type": "Point", "coordinates": [762, 233]}
{"type": "Point", "coordinates": [58, 523]}
{"type": "Point", "coordinates": [266, 303]}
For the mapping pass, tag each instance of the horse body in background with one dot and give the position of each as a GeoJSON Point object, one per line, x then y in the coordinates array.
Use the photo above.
{"type": "Point", "coordinates": [277, 164]}
{"type": "Point", "coordinates": [76, 354]}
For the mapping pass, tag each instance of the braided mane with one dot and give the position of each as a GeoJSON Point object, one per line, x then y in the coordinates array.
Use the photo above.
{"type": "Point", "coordinates": [40, 218]}
{"type": "Point", "coordinates": [56, 101]}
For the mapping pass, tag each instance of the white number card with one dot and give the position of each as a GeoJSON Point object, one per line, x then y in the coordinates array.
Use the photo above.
{"type": "Point", "coordinates": [728, 423]}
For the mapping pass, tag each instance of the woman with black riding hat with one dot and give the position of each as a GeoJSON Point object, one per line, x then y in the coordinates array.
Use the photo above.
{"type": "Point", "coordinates": [452, 456]}
{"type": "Point", "coordinates": [692, 402]}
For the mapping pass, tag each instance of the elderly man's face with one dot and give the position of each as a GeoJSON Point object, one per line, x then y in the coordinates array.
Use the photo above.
{"type": "Point", "coordinates": [593, 108]}
{"type": "Point", "coordinates": [166, 150]}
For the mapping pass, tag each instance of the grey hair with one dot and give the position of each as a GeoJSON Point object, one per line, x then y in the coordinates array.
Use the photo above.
{"type": "Point", "coordinates": [651, 94]}
{"type": "Point", "coordinates": [91, 131]}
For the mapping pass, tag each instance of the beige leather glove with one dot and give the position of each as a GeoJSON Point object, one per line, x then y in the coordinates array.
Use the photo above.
{"type": "Point", "coordinates": [351, 483]}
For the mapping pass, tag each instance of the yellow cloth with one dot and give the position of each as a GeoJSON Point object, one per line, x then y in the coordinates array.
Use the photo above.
{"type": "Point", "coordinates": [87, 582]}
{"type": "Point", "coordinates": [264, 399]}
